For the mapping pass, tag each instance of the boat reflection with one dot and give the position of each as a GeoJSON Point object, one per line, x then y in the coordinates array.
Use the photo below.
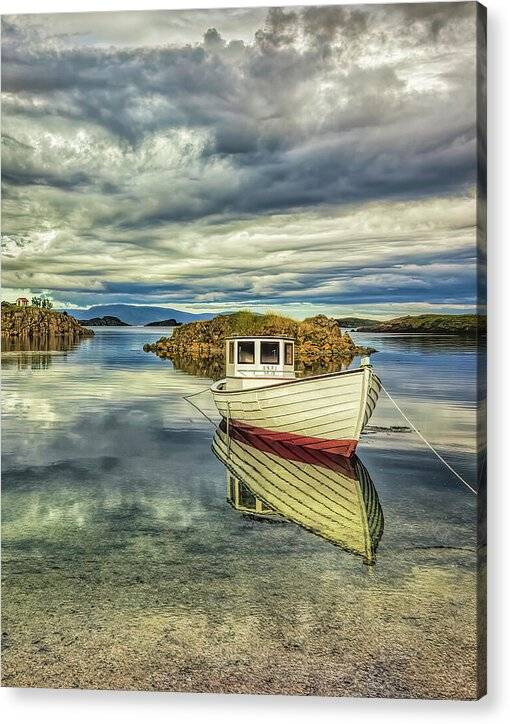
{"type": "Point", "coordinates": [328, 495]}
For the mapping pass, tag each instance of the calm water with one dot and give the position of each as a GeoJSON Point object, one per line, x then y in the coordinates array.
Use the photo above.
{"type": "Point", "coordinates": [125, 567]}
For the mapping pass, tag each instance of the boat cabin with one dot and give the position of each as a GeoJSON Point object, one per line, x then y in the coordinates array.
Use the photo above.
{"type": "Point", "coordinates": [258, 361]}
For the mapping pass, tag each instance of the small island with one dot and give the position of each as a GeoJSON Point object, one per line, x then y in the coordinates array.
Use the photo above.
{"type": "Point", "coordinates": [165, 323]}
{"type": "Point", "coordinates": [30, 321]}
{"type": "Point", "coordinates": [320, 343]}
{"type": "Point", "coordinates": [104, 322]}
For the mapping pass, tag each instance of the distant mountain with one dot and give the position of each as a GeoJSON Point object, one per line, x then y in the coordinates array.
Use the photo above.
{"type": "Point", "coordinates": [351, 322]}
{"type": "Point", "coordinates": [103, 322]}
{"type": "Point", "coordinates": [165, 323]}
{"type": "Point", "coordinates": [137, 315]}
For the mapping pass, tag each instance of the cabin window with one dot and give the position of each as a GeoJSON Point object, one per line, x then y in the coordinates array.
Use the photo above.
{"type": "Point", "coordinates": [289, 353]}
{"type": "Point", "coordinates": [269, 353]}
{"type": "Point", "coordinates": [230, 353]}
{"type": "Point", "coordinates": [246, 353]}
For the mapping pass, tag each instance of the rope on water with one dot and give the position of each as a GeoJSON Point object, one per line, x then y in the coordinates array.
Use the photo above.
{"type": "Point", "coordinates": [194, 394]}
{"type": "Point", "coordinates": [428, 444]}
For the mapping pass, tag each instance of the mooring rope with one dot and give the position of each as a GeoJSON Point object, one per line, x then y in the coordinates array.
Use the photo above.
{"type": "Point", "coordinates": [194, 394]}
{"type": "Point", "coordinates": [427, 443]}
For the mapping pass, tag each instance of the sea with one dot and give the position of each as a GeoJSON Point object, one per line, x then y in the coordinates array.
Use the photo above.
{"type": "Point", "coordinates": [125, 566]}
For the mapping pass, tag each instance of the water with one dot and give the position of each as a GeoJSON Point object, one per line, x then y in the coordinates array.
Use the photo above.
{"type": "Point", "coordinates": [124, 566]}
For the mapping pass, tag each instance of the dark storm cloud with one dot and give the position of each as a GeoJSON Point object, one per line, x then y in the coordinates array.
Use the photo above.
{"type": "Point", "coordinates": [127, 145]}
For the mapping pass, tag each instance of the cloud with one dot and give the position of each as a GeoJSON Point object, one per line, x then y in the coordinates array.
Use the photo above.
{"type": "Point", "coordinates": [130, 156]}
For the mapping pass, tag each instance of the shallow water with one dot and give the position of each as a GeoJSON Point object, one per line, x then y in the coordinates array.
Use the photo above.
{"type": "Point", "coordinates": [125, 567]}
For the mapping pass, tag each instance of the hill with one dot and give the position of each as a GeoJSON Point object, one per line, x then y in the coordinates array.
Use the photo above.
{"type": "Point", "coordinates": [28, 322]}
{"type": "Point", "coordinates": [137, 315]}
{"type": "Point", "coordinates": [319, 340]}
{"type": "Point", "coordinates": [459, 324]}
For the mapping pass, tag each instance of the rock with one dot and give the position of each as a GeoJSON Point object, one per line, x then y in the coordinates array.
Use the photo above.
{"type": "Point", "coordinates": [35, 322]}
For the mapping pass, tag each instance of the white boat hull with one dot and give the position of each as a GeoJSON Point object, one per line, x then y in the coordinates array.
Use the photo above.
{"type": "Point", "coordinates": [324, 412]}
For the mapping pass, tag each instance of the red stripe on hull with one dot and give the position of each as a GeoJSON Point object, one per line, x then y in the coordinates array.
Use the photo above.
{"type": "Point", "coordinates": [257, 435]}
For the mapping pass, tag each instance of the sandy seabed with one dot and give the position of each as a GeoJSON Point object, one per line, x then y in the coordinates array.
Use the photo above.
{"type": "Point", "coordinates": [177, 627]}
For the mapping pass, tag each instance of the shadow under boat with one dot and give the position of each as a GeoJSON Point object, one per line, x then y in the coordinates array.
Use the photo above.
{"type": "Point", "coordinates": [327, 494]}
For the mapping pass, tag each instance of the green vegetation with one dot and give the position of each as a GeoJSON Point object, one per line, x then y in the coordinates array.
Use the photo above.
{"type": "Point", "coordinates": [42, 302]}
{"type": "Point", "coordinates": [460, 324]}
{"type": "Point", "coordinates": [319, 340]}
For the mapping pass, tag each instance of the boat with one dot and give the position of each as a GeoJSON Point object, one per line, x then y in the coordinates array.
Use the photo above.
{"type": "Point", "coordinates": [328, 495]}
{"type": "Point", "coordinates": [262, 394]}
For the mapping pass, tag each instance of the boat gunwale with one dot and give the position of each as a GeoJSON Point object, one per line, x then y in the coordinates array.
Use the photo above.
{"type": "Point", "coordinates": [215, 389]}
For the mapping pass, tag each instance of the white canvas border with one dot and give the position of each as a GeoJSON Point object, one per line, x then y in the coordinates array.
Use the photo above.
{"type": "Point", "coordinates": [79, 707]}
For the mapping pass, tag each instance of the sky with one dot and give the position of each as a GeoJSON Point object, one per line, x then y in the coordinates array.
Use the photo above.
{"type": "Point", "coordinates": [306, 160]}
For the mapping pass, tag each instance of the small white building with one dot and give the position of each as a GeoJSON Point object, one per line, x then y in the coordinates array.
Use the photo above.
{"type": "Point", "coordinates": [258, 360]}
{"type": "Point", "coordinates": [22, 302]}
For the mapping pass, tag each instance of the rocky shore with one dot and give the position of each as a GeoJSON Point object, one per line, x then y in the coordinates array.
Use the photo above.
{"type": "Point", "coordinates": [320, 343]}
{"type": "Point", "coordinates": [33, 322]}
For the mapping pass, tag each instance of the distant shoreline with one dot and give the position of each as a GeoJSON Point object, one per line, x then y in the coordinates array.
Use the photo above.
{"type": "Point", "coordinates": [463, 325]}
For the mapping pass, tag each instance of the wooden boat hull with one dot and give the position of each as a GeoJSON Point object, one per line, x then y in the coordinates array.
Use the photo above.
{"type": "Point", "coordinates": [331, 496]}
{"type": "Point", "coordinates": [324, 412]}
